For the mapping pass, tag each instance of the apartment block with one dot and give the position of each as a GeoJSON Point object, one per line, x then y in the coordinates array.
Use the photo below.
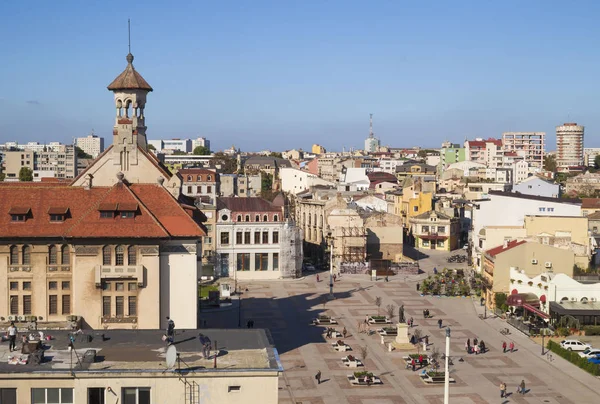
{"type": "Point", "coordinates": [569, 146]}
{"type": "Point", "coordinates": [528, 145]}
{"type": "Point", "coordinates": [91, 144]}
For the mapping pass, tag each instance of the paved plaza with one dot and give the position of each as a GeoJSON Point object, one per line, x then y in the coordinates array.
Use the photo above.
{"type": "Point", "coordinates": [287, 307]}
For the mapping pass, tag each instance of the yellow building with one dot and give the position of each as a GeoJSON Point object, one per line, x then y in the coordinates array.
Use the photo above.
{"type": "Point", "coordinates": [318, 149]}
{"type": "Point", "coordinates": [412, 202]}
{"type": "Point", "coordinates": [435, 231]}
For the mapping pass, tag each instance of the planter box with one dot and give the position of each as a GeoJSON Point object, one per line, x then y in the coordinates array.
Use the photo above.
{"type": "Point", "coordinates": [354, 381]}
{"type": "Point", "coordinates": [388, 331]}
{"type": "Point", "coordinates": [343, 347]}
{"type": "Point", "coordinates": [379, 320]}
{"type": "Point", "coordinates": [435, 379]}
{"type": "Point", "coordinates": [324, 321]}
{"type": "Point", "coordinates": [351, 361]}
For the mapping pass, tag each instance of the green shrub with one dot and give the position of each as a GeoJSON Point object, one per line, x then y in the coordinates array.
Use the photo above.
{"type": "Point", "coordinates": [592, 330]}
{"type": "Point", "coordinates": [363, 374]}
{"type": "Point", "coordinates": [574, 358]}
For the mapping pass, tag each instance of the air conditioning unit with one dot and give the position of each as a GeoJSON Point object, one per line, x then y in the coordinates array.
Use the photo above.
{"type": "Point", "coordinates": [534, 261]}
{"type": "Point", "coordinates": [548, 264]}
{"type": "Point", "coordinates": [11, 318]}
{"type": "Point", "coordinates": [573, 299]}
{"type": "Point", "coordinates": [21, 318]}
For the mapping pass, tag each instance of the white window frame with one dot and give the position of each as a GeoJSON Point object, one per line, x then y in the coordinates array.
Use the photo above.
{"type": "Point", "coordinates": [60, 389]}
{"type": "Point", "coordinates": [137, 393]}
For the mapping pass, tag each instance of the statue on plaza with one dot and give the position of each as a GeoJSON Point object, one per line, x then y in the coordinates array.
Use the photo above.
{"type": "Point", "coordinates": [401, 318]}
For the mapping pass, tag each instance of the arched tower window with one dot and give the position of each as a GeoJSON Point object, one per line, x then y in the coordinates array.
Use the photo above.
{"type": "Point", "coordinates": [247, 218]}
{"type": "Point", "coordinates": [257, 218]}
{"type": "Point", "coordinates": [239, 218]}
{"type": "Point", "coordinates": [275, 218]}
{"type": "Point", "coordinates": [52, 256]}
{"type": "Point", "coordinates": [265, 218]}
{"type": "Point", "coordinates": [65, 255]}
{"type": "Point", "coordinates": [132, 255]}
{"type": "Point", "coordinates": [26, 255]}
{"type": "Point", "coordinates": [119, 255]}
{"type": "Point", "coordinates": [14, 255]}
{"type": "Point", "coordinates": [106, 255]}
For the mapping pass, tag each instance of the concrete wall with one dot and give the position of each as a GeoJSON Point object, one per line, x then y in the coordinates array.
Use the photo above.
{"type": "Point", "coordinates": [259, 387]}
{"type": "Point", "coordinates": [537, 187]}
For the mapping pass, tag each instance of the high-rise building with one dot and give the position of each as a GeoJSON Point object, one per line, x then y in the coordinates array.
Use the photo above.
{"type": "Point", "coordinates": [91, 144]}
{"type": "Point", "coordinates": [57, 162]}
{"type": "Point", "coordinates": [569, 146]}
{"type": "Point", "coordinates": [528, 145]}
{"type": "Point", "coordinates": [318, 149]}
{"type": "Point", "coordinates": [201, 141]}
{"type": "Point", "coordinates": [488, 152]}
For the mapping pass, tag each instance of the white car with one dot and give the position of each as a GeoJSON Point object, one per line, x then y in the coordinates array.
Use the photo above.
{"type": "Point", "coordinates": [589, 353]}
{"type": "Point", "coordinates": [574, 345]}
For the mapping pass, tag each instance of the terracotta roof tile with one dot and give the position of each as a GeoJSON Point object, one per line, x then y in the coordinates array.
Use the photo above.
{"type": "Point", "coordinates": [590, 203]}
{"type": "Point", "coordinates": [130, 79]}
{"type": "Point", "coordinates": [500, 249]}
{"type": "Point", "coordinates": [19, 210]}
{"type": "Point", "coordinates": [58, 210]}
{"type": "Point", "coordinates": [246, 205]}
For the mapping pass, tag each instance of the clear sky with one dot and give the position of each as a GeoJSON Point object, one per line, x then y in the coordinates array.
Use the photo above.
{"type": "Point", "coordinates": [287, 74]}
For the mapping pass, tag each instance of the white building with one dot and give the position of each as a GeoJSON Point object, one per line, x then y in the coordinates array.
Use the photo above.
{"type": "Point", "coordinates": [91, 144]}
{"type": "Point", "coordinates": [466, 166]}
{"type": "Point", "coordinates": [537, 186]}
{"type": "Point", "coordinates": [590, 154]}
{"type": "Point", "coordinates": [353, 179]}
{"type": "Point", "coordinates": [510, 209]}
{"type": "Point", "coordinates": [171, 145]}
{"type": "Point", "coordinates": [295, 181]}
{"type": "Point", "coordinates": [201, 141]}
{"type": "Point", "coordinates": [528, 145]}
{"type": "Point", "coordinates": [388, 165]}
{"type": "Point", "coordinates": [520, 171]}
{"type": "Point", "coordinates": [255, 242]}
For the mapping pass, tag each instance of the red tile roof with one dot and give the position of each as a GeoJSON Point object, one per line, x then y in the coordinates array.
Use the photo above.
{"type": "Point", "coordinates": [159, 214]}
{"type": "Point", "coordinates": [590, 203]}
{"type": "Point", "coordinates": [130, 79]}
{"type": "Point", "coordinates": [500, 249]}
{"type": "Point", "coordinates": [246, 205]}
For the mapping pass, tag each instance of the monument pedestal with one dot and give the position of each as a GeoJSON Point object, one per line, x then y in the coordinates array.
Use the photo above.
{"type": "Point", "coordinates": [402, 341]}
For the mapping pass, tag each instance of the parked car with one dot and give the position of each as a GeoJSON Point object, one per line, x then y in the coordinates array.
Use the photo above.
{"type": "Point", "coordinates": [309, 267]}
{"type": "Point", "coordinates": [595, 359]}
{"type": "Point", "coordinates": [590, 353]}
{"type": "Point", "coordinates": [574, 345]}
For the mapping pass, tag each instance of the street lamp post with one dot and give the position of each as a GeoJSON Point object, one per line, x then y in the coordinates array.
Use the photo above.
{"type": "Point", "coordinates": [331, 296]}
{"type": "Point", "coordinates": [447, 379]}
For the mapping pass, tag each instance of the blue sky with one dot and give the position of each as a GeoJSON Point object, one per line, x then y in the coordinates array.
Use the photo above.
{"type": "Point", "coordinates": [283, 74]}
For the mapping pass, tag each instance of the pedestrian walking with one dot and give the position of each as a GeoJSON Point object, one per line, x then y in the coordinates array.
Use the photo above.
{"type": "Point", "coordinates": [411, 322]}
{"type": "Point", "coordinates": [318, 377]}
{"type": "Point", "coordinates": [467, 347]}
{"type": "Point", "coordinates": [476, 349]}
{"type": "Point", "coordinates": [503, 346]}
{"type": "Point", "coordinates": [424, 346]}
{"type": "Point", "coordinates": [334, 277]}
{"type": "Point", "coordinates": [424, 314]}
{"type": "Point", "coordinates": [344, 332]}
{"type": "Point", "coordinates": [482, 346]}
{"type": "Point", "coordinates": [387, 279]}
{"type": "Point", "coordinates": [440, 323]}
{"type": "Point", "coordinates": [521, 388]}
{"type": "Point", "coordinates": [427, 339]}
{"type": "Point", "coordinates": [502, 390]}
{"type": "Point", "coordinates": [475, 341]}
{"type": "Point", "coordinates": [469, 341]}
{"type": "Point", "coordinates": [413, 364]}
{"type": "Point", "coordinates": [512, 346]}
{"type": "Point", "coordinates": [318, 279]}
{"type": "Point", "coordinates": [12, 336]}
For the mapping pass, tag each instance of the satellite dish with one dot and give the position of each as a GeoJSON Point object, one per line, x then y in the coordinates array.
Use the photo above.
{"type": "Point", "coordinates": [171, 356]}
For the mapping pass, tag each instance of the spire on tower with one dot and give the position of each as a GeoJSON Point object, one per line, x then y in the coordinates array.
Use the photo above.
{"type": "Point", "coordinates": [371, 134]}
{"type": "Point", "coordinates": [129, 34]}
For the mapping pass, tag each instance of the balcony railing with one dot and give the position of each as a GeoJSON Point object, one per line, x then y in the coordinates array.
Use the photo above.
{"type": "Point", "coordinates": [58, 268]}
{"type": "Point", "coordinates": [121, 272]}
{"type": "Point", "coordinates": [16, 268]}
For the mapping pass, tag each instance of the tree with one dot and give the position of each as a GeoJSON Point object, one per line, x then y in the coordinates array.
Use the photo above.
{"type": "Point", "coordinates": [364, 352]}
{"type": "Point", "coordinates": [391, 310]}
{"type": "Point", "coordinates": [276, 154]}
{"type": "Point", "coordinates": [435, 358]}
{"type": "Point", "coordinates": [227, 164]}
{"type": "Point", "coordinates": [25, 174]}
{"type": "Point", "coordinates": [2, 176]}
{"type": "Point", "coordinates": [178, 153]}
{"type": "Point", "coordinates": [550, 162]}
{"type": "Point", "coordinates": [81, 154]}
{"type": "Point", "coordinates": [597, 162]}
{"type": "Point", "coordinates": [151, 147]}
{"type": "Point", "coordinates": [378, 303]}
{"type": "Point", "coordinates": [201, 151]}
{"type": "Point", "coordinates": [422, 153]}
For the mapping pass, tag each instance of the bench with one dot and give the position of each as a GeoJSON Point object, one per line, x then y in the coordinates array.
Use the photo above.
{"type": "Point", "coordinates": [351, 361]}
{"type": "Point", "coordinates": [341, 346]}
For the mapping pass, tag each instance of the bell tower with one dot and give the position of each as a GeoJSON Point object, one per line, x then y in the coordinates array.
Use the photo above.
{"type": "Point", "coordinates": [130, 91]}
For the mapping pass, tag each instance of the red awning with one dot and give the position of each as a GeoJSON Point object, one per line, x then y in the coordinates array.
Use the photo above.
{"type": "Point", "coordinates": [532, 309]}
{"type": "Point", "coordinates": [514, 292]}
{"type": "Point", "coordinates": [543, 298]}
{"type": "Point", "coordinates": [519, 299]}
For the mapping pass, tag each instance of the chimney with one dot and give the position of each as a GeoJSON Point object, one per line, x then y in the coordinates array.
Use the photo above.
{"type": "Point", "coordinates": [505, 243]}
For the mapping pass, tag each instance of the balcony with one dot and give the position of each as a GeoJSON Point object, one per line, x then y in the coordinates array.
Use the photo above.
{"type": "Point", "coordinates": [17, 268]}
{"type": "Point", "coordinates": [58, 268]}
{"type": "Point", "coordinates": [119, 272]}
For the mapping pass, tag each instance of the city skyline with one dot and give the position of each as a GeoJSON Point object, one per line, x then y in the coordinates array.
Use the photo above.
{"type": "Point", "coordinates": [275, 73]}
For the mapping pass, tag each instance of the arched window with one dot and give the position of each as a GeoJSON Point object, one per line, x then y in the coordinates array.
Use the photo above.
{"type": "Point", "coordinates": [265, 218]}
{"type": "Point", "coordinates": [14, 255]}
{"type": "Point", "coordinates": [119, 255]}
{"type": "Point", "coordinates": [198, 178]}
{"type": "Point", "coordinates": [247, 218]}
{"type": "Point", "coordinates": [239, 218]}
{"type": "Point", "coordinates": [65, 255]}
{"type": "Point", "coordinates": [257, 218]}
{"type": "Point", "coordinates": [208, 177]}
{"type": "Point", "coordinates": [275, 218]}
{"type": "Point", "coordinates": [132, 255]}
{"type": "Point", "coordinates": [106, 255]}
{"type": "Point", "coordinates": [189, 178]}
{"type": "Point", "coordinates": [26, 255]}
{"type": "Point", "coordinates": [52, 259]}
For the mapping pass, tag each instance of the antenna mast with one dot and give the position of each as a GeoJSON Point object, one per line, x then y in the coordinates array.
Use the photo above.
{"type": "Point", "coordinates": [371, 134]}
{"type": "Point", "coordinates": [129, 34]}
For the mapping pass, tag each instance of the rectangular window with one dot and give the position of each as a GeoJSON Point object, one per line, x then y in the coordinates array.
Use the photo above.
{"type": "Point", "coordinates": [441, 229]}
{"type": "Point", "coordinates": [542, 209]}
{"type": "Point", "coordinates": [256, 237]}
{"type": "Point", "coordinates": [119, 286]}
{"type": "Point", "coordinates": [66, 285]}
{"type": "Point", "coordinates": [52, 396]}
{"type": "Point", "coordinates": [234, 389]}
{"type": "Point", "coordinates": [66, 304]}
{"type": "Point", "coordinates": [208, 189]}
{"type": "Point", "coordinates": [131, 256]}
{"type": "Point", "coordinates": [136, 395]}
{"type": "Point", "coordinates": [14, 286]}
{"type": "Point", "coordinates": [53, 304]}
{"type": "Point", "coordinates": [27, 304]}
{"type": "Point", "coordinates": [243, 262]}
{"type": "Point", "coordinates": [199, 189]}
{"type": "Point", "coordinates": [425, 243]}
{"type": "Point", "coordinates": [96, 395]}
{"type": "Point", "coordinates": [17, 218]}
{"type": "Point", "coordinates": [14, 305]}
{"type": "Point", "coordinates": [132, 305]}
{"type": "Point", "coordinates": [8, 396]}
{"type": "Point", "coordinates": [127, 215]}
{"type": "Point", "coordinates": [275, 261]}
{"type": "Point", "coordinates": [189, 189]}
{"type": "Point", "coordinates": [275, 237]}
{"type": "Point", "coordinates": [261, 261]}
{"type": "Point", "coordinates": [26, 286]}
{"type": "Point", "coordinates": [239, 237]}
{"type": "Point", "coordinates": [132, 286]}
{"type": "Point", "coordinates": [550, 209]}
{"type": "Point", "coordinates": [57, 218]}
{"type": "Point", "coordinates": [106, 306]}
{"type": "Point", "coordinates": [247, 237]}
{"type": "Point", "coordinates": [106, 286]}
{"type": "Point", "coordinates": [119, 306]}
{"type": "Point", "coordinates": [106, 214]}
{"type": "Point", "coordinates": [425, 229]}
{"type": "Point", "coordinates": [224, 238]}
{"type": "Point", "coordinates": [265, 237]}
{"type": "Point", "coordinates": [207, 240]}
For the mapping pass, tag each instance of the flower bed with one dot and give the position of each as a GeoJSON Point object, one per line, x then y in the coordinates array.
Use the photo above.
{"type": "Point", "coordinates": [363, 374]}
{"type": "Point", "coordinates": [574, 358]}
